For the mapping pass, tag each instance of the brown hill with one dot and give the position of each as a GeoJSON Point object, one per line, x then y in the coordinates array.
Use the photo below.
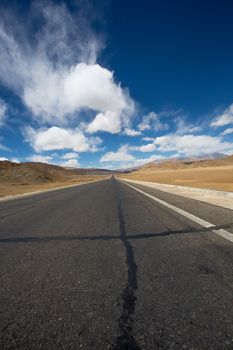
{"type": "Point", "coordinates": [172, 164]}
{"type": "Point", "coordinates": [36, 173]}
{"type": "Point", "coordinates": [216, 174]}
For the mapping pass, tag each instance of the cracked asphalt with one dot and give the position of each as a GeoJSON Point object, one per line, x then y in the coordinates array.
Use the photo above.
{"type": "Point", "coordinates": [101, 266]}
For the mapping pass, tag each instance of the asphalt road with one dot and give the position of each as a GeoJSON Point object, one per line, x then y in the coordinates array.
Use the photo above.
{"type": "Point", "coordinates": [101, 266]}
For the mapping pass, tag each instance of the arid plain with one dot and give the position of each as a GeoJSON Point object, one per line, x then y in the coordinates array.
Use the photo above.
{"type": "Point", "coordinates": [208, 174]}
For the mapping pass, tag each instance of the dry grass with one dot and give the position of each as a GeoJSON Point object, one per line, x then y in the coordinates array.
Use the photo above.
{"type": "Point", "coordinates": [7, 189]}
{"type": "Point", "coordinates": [216, 178]}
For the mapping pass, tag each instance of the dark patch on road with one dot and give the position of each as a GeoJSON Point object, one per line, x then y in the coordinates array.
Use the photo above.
{"type": "Point", "coordinates": [126, 339]}
{"type": "Point", "coordinates": [205, 269]}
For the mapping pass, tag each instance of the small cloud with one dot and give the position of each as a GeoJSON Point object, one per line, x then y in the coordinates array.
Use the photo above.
{"type": "Point", "coordinates": [227, 131]}
{"type": "Point", "coordinates": [14, 160]}
{"type": "Point", "coordinates": [152, 121]}
{"type": "Point", "coordinates": [40, 158]}
{"type": "Point", "coordinates": [73, 163]}
{"type": "Point", "coordinates": [149, 147]}
{"type": "Point", "coordinates": [195, 129]}
{"type": "Point", "coordinates": [122, 155]}
{"type": "Point", "coordinates": [132, 132]}
{"type": "Point", "coordinates": [224, 119]}
{"type": "Point", "coordinates": [139, 161]}
{"type": "Point", "coordinates": [70, 155]}
{"type": "Point", "coordinates": [3, 110]}
{"type": "Point", "coordinates": [182, 127]}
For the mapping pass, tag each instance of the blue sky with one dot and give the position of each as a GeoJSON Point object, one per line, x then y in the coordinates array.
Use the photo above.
{"type": "Point", "coordinates": [116, 83]}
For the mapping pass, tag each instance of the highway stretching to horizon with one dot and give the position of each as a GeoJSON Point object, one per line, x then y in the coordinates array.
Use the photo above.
{"type": "Point", "coordinates": [102, 266]}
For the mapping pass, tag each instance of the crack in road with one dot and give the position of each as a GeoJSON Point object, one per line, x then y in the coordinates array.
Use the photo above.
{"type": "Point", "coordinates": [126, 339]}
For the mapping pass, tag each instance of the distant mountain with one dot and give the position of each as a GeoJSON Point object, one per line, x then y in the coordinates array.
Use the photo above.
{"type": "Point", "coordinates": [89, 171]}
{"type": "Point", "coordinates": [216, 159]}
{"type": "Point", "coordinates": [32, 173]}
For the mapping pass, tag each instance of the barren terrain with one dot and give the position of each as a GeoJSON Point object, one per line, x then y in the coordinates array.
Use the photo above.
{"type": "Point", "coordinates": [209, 174]}
{"type": "Point", "coordinates": [16, 179]}
{"type": "Point", "coordinates": [9, 189]}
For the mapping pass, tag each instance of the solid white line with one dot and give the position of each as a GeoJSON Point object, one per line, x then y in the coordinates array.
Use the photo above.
{"type": "Point", "coordinates": [221, 232]}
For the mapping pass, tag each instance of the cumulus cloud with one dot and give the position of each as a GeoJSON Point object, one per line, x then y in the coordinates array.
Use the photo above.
{"type": "Point", "coordinates": [3, 110]}
{"type": "Point", "coordinates": [56, 74]}
{"type": "Point", "coordinates": [224, 119]}
{"type": "Point", "coordinates": [192, 145]}
{"type": "Point", "coordinates": [152, 121]}
{"type": "Point", "coordinates": [56, 138]}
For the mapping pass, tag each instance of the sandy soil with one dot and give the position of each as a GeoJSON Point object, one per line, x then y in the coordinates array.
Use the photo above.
{"type": "Point", "coordinates": [214, 178]}
{"type": "Point", "coordinates": [8, 189]}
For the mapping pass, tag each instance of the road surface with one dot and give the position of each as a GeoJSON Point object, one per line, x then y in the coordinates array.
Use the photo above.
{"type": "Point", "coordinates": [102, 266]}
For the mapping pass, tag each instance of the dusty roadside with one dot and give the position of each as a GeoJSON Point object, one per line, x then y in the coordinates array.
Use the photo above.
{"type": "Point", "coordinates": [219, 198]}
{"type": "Point", "coordinates": [15, 189]}
{"type": "Point", "coordinates": [213, 178]}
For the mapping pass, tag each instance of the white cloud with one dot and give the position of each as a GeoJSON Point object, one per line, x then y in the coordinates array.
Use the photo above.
{"type": "Point", "coordinates": [149, 147]}
{"type": "Point", "coordinates": [70, 155]}
{"type": "Point", "coordinates": [152, 121]}
{"type": "Point", "coordinates": [227, 131]}
{"type": "Point", "coordinates": [191, 145]}
{"type": "Point", "coordinates": [195, 129]}
{"type": "Point", "coordinates": [139, 161]}
{"type": "Point", "coordinates": [132, 132]}
{"type": "Point", "coordinates": [73, 163]}
{"type": "Point", "coordinates": [111, 121]}
{"type": "Point", "coordinates": [121, 155]}
{"type": "Point", "coordinates": [40, 158]}
{"type": "Point", "coordinates": [182, 127]}
{"type": "Point", "coordinates": [148, 138]}
{"type": "Point", "coordinates": [14, 160]}
{"type": "Point", "coordinates": [57, 76]}
{"type": "Point", "coordinates": [125, 159]}
{"type": "Point", "coordinates": [224, 119]}
{"type": "Point", "coordinates": [3, 109]}
{"type": "Point", "coordinates": [56, 138]}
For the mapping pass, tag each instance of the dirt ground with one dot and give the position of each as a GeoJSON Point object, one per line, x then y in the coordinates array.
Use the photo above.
{"type": "Point", "coordinates": [215, 178]}
{"type": "Point", "coordinates": [7, 189]}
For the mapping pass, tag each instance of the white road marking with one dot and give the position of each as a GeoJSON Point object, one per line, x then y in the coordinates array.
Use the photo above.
{"type": "Point", "coordinates": [221, 232]}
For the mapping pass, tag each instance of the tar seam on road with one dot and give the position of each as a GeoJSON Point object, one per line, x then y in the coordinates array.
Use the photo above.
{"type": "Point", "coordinates": [126, 339]}
{"type": "Point", "coordinates": [46, 239]}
